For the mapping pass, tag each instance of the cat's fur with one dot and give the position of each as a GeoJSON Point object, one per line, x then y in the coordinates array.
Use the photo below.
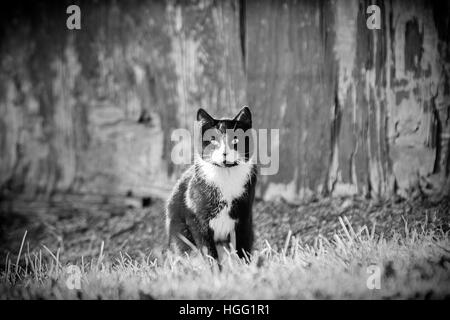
{"type": "Point", "coordinates": [211, 204]}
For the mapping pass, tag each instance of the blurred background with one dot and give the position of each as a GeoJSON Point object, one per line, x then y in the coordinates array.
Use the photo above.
{"type": "Point", "coordinates": [87, 115]}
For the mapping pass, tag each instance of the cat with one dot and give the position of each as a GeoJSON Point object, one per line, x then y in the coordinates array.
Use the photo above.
{"type": "Point", "coordinates": [211, 204]}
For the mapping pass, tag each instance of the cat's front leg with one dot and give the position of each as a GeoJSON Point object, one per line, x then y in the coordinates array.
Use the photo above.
{"type": "Point", "coordinates": [210, 244]}
{"type": "Point", "coordinates": [244, 238]}
{"type": "Point", "coordinates": [207, 242]}
{"type": "Point", "coordinates": [203, 235]}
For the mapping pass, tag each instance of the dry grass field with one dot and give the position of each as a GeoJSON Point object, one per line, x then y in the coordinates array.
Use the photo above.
{"type": "Point", "coordinates": [412, 256]}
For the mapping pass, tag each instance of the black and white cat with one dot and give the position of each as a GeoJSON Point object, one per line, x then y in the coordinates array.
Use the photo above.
{"type": "Point", "coordinates": [211, 204]}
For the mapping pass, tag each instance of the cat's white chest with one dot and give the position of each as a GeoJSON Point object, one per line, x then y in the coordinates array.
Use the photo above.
{"type": "Point", "coordinates": [230, 181]}
{"type": "Point", "coordinates": [231, 184]}
{"type": "Point", "coordinates": [222, 224]}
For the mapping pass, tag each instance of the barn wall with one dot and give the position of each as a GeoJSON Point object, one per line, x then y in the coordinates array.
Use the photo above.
{"type": "Point", "coordinates": [359, 111]}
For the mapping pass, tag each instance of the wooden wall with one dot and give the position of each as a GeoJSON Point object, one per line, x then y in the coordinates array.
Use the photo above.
{"type": "Point", "coordinates": [359, 111]}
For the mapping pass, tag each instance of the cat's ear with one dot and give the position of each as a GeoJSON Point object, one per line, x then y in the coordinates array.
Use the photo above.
{"type": "Point", "coordinates": [203, 116]}
{"type": "Point", "coordinates": [244, 116]}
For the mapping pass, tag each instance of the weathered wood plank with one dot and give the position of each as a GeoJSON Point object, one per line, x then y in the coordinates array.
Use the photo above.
{"type": "Point", "coordinates": [290, 86]}
{"type": "Point", "coordinates": [359, 111]}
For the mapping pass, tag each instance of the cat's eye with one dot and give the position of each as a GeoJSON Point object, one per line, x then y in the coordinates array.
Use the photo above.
{"type": "Point", "coordinates": [235, 140]}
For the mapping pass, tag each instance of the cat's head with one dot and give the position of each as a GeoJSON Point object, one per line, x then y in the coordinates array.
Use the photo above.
{"type": "Point", "coordinates": [226, 143]}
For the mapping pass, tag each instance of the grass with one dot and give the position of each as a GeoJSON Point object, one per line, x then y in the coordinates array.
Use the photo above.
{"type": "Point", "coordinates": [413, 263]}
